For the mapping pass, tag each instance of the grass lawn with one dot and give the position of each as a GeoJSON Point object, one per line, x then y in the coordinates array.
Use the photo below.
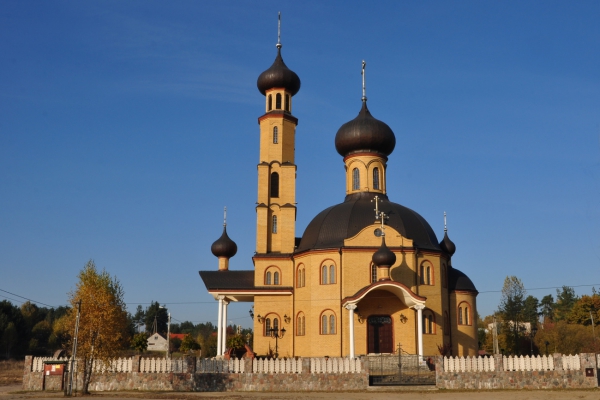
{"type": "Point", "coordinates": [11, 372]}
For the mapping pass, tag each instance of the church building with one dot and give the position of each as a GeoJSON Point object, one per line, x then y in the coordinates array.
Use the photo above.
{"type": "Point", "coordinates": [367, 275]}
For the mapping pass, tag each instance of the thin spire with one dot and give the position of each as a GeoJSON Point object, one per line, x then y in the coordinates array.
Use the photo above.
{"type": "Point", "coordinates": [445, 227]}
{"type": "Point", "coordinates": [279, 31]}
{"type": "Point", "coordinates": [364, 88]}
{"type": "Point", "coordinates": [225, 216]}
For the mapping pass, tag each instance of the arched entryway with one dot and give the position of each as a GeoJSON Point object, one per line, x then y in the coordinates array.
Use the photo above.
{"type": "Point", "coordinates": [380, 335]}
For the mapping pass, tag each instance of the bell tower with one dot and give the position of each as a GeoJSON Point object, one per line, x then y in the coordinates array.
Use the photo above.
{"type": "Point", "coordinates": [276, 204]}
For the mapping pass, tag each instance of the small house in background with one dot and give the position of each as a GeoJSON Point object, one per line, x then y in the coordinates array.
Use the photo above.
{"type": "Point", "coordinates": [157, 343]}
{"type": "Point", "coordinates": [179, 336]}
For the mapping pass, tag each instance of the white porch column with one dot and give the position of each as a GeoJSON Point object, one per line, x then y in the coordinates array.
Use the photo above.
{"type": "Point", "coordinates": [351, 308]}
{"type": "Point", "coordinates": [419, 308]}
{"type": "Point", "coordinates": [224, 340]}
{"type": "Point", "coordinates": [220, 326]}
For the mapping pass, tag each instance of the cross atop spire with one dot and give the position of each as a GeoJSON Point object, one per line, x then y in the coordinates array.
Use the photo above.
{"type": "Point", "coordinates": [225, 216]}
{"type": "Point", "coordinates": [364, 88]}
{"type": "Point", "coordinates": [376, 200]}
{"type": "Point", "coordinates": [278, 45]}
{"type": "Point", "coordinates": [382, 217]}
{"type": "Point", "coordinates": [445, 227]}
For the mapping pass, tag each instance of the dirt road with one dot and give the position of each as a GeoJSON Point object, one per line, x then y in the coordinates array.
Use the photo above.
{"type": "Point", "coordinates": [14, 392]}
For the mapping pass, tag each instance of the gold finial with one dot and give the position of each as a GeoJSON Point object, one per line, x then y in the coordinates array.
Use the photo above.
{"type": "Point", "coordinates": [445, 227]}
{"type": "Point", "coordinates": [376, 200]}
{"type": "Point", "coordinates": [225, 216]}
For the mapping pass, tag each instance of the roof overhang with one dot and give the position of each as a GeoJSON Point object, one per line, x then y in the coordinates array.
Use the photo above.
{"type": "Point", "coordinates": [401, 291]}
{"type": "Point", "coordinates": [245, 295]}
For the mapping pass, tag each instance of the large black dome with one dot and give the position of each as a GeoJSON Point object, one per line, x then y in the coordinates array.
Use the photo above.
{"type": "Point", "coordinates": [278, 76]}
{"type": "Point", "coordinates": [365, 134]}
{"type": "Point", "coordinates": [342, 221]}
{"type": "Point", "coordinates": [459, 281]}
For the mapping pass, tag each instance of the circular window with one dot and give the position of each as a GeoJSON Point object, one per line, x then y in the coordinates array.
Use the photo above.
{"type": "Point", "coordinates": [377, 232]}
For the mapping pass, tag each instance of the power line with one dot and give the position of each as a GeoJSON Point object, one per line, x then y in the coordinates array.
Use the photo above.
{"type": "Point", "coordinates": [28, 299]}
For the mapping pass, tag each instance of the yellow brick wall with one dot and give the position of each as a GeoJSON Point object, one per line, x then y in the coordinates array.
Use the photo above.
{"type": "Point", "coordinates": [464, 337]}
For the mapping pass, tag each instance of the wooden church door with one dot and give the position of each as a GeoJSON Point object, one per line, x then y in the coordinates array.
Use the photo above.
{"type": "Point", "coordinates": [380, 335]}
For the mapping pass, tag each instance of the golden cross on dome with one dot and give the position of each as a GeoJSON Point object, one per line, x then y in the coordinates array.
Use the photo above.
{"type": "Point", "coordinates": [376, 200]}
{"type": "Point", "coordinates": [279, 31]}
{"type": "Point", "coordinates": [445, 227]}
{"type": "Point", "coordinates": [383, 218]}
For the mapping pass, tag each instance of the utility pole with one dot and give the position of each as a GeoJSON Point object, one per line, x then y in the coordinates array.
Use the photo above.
{"type": "Point", "coordinates": [495, 336]}
{"type": "Point", "coordinates": [70, 390]}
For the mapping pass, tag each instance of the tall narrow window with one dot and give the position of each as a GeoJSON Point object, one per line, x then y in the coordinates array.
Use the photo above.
{"type": "Point", "coordinates": [376, 178]}
{"type": "Point", "coordinates": [373, 273]}
{"type": "Point", "coordinates": [268, 327]}
{"type": "Point", "coordinates": [332, 325]}
{"type": "Point", "coordinates": [300, 325]}
{"type": "Point", "coordinates": [275, 135]}
{"type": "Point", "coordinates": [276, 324]}
{"type": "Point", "coordinates": [460, 316]}
{"type": "Point", "coordinates": [467, 316]}
{"type": "Point", "coordinates": [278, 101]}
{"type": "Point", "coordinates": [270, 103]}
{"type": "Point", "coordinates": [303, 278]}
{"type": "Point", "coordinates": [332, 274]}
{"type": "Point", "coordinates": [464, 314]}
{"type": "Point", "coordinates": [287, 102]}
{"type": "Point", "coordinates": [274, 226]}
{"type": "Point", "coordinates": [274, 185]}
{"type": "Point", "coordinates": [303, 326]}
{"type": "Point", "coordinates": [355, 179]}
{"type": "Point", "coordinates": [324, 325]}
{"type": "Point", "coordinates": [428, 276]}
{"type": "Point", "coordinates": [299, 278]}
{"type": "Point", "coordinates": [422, 275]}
{"type": "Point", "coordinates": [268, 278]}
{"type": "Point", "coordinates": [275, 278]}
{"type": "Point", "coordinates": [428, 321]}
{"type": "Point", "coordinates": [324, 275]}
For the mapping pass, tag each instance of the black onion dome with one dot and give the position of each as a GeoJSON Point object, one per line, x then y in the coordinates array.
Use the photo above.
{"type": "Point", "coordinates": [224, 247]}
{"type": "Point", "coordinates": [365, 134]}
{"type": "Point", "coordinates": [384, 256]}
{"type": "Point", "coordinates": [459, 281]}
{"type": "Point", "coordinates": [278, 76]}
{"type": "Point", "coordinates": [447, 245]}
{"type": "Point", "coordinates": [332, 226]}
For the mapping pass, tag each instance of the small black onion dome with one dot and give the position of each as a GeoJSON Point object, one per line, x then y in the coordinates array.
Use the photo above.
{"type": "Point", "coordinates": [384, 256]}
{"type": "Point", "coordinates": [365, 134]}
{"type": "Point", "coordinates": [278, 76]}
{"type": "Point", "coordinates": [224, 247]}
{"type": "Point", "coordinates": [447, 245]}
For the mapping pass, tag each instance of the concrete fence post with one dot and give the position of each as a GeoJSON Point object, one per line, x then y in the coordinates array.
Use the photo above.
{"type": "Point", "coordinates": [558, 364]}
{"type": "Point", "coordinates": [499, 363]}
{"type": "Point", "coordinates": [135, 363]}
{"type": "Point", "coordinates": [190, 365]}
{"type": "Point", "coordinates": [305, 365]}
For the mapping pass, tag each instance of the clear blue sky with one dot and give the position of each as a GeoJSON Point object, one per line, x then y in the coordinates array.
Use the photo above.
{"type": "Point", "coordinates": [125, 127]}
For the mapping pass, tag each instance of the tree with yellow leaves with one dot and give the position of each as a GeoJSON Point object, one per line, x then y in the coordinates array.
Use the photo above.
{"type": "Point", "coordinates": [103, 325]}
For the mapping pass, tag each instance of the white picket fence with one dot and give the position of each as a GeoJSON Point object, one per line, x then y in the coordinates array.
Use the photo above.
{"type": "Point", "coordinates": [335, 365]}
{"type": "Point", "coordinates": [276, 366]}
{"type": "Point", "coordinates": [116, 365]}
{"type": "Point", "coordinates": [467, 364]}
{"type": "Point", "coordinates": [211, 365]}
{"type": "Point", "coordinates": [571, 363]}
{"type": "Point", "coordinates": [526, 363]}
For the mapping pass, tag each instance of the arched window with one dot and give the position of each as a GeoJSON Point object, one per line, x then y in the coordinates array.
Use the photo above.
{"type": "Point", "coordinates": [332, 274]}
{"type": "Point", "coordinates": [328, 326]}
{"type": "Point", "coordinates": [464, 314]}
{"type": "Point", "coordinates": [287, 102]}
{"type": "Point", "coordinates": [303, 278]}
{"type": "Point", "coordinates": [373, 273]}
{"type": "Point", "coordinates": [274, 226]}
{"type": "Point", "coordinates": [324, 275]}
{"type": "Point", "coordinates": [376, 178]}
{"type": "Point", "coordinates": [324, 325]}
{"type": "Point", "coordinates": [270, 103]}
{"type": "Point", "coordinates": [426, 274]}
{"type": "Point", "coordinates": [267, 326]}
{"type": "Point", "coordinates": [274, 185]}
{"type": "Point", "coordinates": [268, 278]}
{"type": "Point", "coordinates": [276, 324]}
{"type": "Point", "coordinates": [299, 278]}
{"type": "Point", "coordinates": [300, 331]}
{"type": "Point", "coordinates": [278, 101]}
{"type": "Point", "coordinates": [428, 322]}
{"type": "Point", "coordinates": [275, 135]}
{"type": "Point", "coordinates": [276, 278]}
{"type": "Point", "coordinates": [355, 179]}
{"type": "Point", "coordinates": [332, 324]}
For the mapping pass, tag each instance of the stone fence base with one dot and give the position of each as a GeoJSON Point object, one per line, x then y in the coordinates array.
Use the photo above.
{"type": "Point", "coordinates": [585, 377]}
